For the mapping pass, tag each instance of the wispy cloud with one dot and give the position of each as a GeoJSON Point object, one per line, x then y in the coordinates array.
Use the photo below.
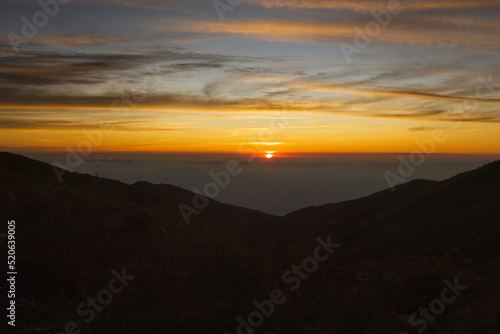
{"type": "Point", "coordinates": [368, 5]}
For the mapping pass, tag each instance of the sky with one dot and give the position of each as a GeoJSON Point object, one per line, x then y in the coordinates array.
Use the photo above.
{"type": "Point", "coordinates": [277, 77]}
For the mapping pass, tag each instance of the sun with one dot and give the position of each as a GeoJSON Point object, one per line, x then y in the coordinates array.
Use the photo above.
{"type": "Point", "coordinates": [269, 154]}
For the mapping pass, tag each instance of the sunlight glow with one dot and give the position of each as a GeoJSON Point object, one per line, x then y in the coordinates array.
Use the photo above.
{"type": "Point", "coordinates": [270, 154]}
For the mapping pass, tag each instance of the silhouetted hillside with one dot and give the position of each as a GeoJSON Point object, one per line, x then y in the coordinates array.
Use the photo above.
{"type": "Point", "coordinates": [396, 250]}
{"type": "Point", "coordinates": [462, 210]}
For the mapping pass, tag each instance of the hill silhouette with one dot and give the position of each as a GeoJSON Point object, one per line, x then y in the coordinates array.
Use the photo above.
{"type": "Point", "coordinates": [396, 250]}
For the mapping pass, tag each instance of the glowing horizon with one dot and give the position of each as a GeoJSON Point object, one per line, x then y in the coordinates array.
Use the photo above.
{"type": "Point", "coordinates": [173, 77]}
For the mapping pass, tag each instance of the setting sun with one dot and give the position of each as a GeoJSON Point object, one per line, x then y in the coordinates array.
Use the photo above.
{"type": "Point", "coordinates": [269, 155]}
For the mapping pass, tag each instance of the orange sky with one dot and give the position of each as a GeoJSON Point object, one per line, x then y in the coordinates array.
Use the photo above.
{"type": "Point", "coordinates": [272, 75]}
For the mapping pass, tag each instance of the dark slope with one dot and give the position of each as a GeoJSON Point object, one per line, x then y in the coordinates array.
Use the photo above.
{"type": "Point", "coordinates": [462, 210]}
{"type": "Point", "coordinates": [397, 248]}
{"type": "Point", "coordinates": [476, 187]}
{"type": "Point", "coordinates": [71, 234]}
{"type": "Point", "coordinates": [360, 208]}
{"type": "Point", "coordinates": [22, 177]}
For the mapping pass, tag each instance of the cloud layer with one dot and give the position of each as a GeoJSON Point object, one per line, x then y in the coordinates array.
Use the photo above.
{"type": "Point", "coordinates": [165, 61]}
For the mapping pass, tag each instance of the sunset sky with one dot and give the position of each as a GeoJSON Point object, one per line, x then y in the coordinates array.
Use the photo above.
{"type": "Point", "coordinates": [171, 76]}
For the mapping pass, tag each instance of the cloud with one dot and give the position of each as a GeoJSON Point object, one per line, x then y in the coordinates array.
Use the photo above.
{"type": "Point", "coordinates": [22, 123]}
{"type": "Point", "coordinates": [369, 5]}
{"type": "Point", "coordinates": [393, 93]}
{"type": "Point", "coordinates": [80, 40]}
{"type": "Point", "coordinates": [195, 66]}
{"type": "Point", "coordinates": [59, 69]}
{"type": "Point", "coordinates": [53, 68]}
{"type": "Point", "coordinates": [45, 122]}
{"type": "Point", "coordinates": [419, 31]}
{"type": "Point", "coordinates": [358, 6]}
{"type": "Point", "coordinates": [420, 128]}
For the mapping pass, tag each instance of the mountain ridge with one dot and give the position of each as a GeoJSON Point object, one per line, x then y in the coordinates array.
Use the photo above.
{"type": "Point", "coordinates": [396, 250]}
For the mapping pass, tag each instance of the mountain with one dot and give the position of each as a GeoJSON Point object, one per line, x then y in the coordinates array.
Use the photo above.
{"type": "Point", "coordinates": [397, 251]}
{"type": "Point", "coordinates": [462, 210]}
